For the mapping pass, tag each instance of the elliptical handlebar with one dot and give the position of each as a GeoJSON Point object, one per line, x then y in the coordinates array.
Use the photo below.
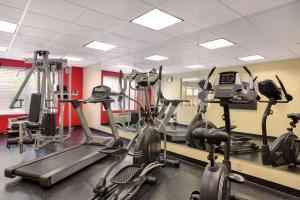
{"type": "Point", "coordinates": [208, 78]}
{"type": "Point", "coordinates": [287, 95]}
{"type": "Point", "coordinates": [251, 80]}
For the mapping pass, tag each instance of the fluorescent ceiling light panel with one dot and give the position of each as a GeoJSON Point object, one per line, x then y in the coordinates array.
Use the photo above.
{"type": "Point", "coordinates": [251, 58]}
{"type": "Point", "coordinates": [215, 44]}
{"type": "Point", "coordinates": [70, 58]}
{"type": "Point", "coordinates": [156, 19]}
{"type": "Point", "coordinates": [7, 27]}
{"type": "Point", "coordinates": [156, 58]}
{"type": "Point", "coordinates": [194, 66]}
{"type": "Point", "coordinates": [100, 46]}
{"type": "Point", "coordinates": [3, 48]}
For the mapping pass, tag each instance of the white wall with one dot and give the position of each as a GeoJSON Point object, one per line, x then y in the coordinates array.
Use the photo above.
{"type": "Point", "coordinates": [91, 78]}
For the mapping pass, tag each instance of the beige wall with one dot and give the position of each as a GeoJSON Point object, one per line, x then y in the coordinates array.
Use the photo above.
{"type": "Point", "coordinates": [91, 78]}
{"type": "Point", "coordinates": [248, 121]}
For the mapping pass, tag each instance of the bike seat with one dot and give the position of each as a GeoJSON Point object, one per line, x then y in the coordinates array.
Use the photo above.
{"type": "Point", "coordinates": [31, 125]}
{"type": "Point", "coordinates": [294, 116]}
{"type": "Point", "coordinates": [212, 137]}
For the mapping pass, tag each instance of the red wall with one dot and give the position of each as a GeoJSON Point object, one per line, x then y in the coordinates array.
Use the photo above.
{"type": "Point", "coordinates": [77, 84]}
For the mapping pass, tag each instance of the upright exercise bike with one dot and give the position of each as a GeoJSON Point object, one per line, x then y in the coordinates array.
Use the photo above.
{"type": "Point", "coordinates": [285, 149]}
{"type": "Point", "coordinates": [216, 180]}
{"type": "Point", "coordinates": [146, 152]}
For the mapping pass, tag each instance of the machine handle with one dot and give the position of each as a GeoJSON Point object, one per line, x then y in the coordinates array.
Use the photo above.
{"type": "Point", "coordinates": [255, 78]}
{"type": "Point", "coordinates": [208, 77]}
{"type": "Point", "coordinates": [251, 80]}
{"type": "Point", "coordinates": [159, 72]}
{"type": "Point", "coordinates": [287, 96]}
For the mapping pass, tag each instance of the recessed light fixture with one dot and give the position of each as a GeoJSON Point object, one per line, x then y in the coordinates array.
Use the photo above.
{"type": "Point", "coordinates": [156, 58]}
{"type": "Point", "coordinates": [7, 27]}
{"type": "Point", "coordinates": [3, 48]}
{"type": "Point", "coordinates": [194, 66]}
{"type": "Point", "coordinates": [100, 46]}
{"type": "Point", "coordinates": [72, 58]}
{"type": "Point", "coordinates": [215, 44]}
{"type": "Point", "coordinates": [251, 58]}
{"type": "Point", "coordinates": [156, 19]}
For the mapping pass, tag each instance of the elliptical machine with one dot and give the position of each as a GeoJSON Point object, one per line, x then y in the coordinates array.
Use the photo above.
{"type": "Point", "coordinates": [126, 183]}
{"type": "Point", "coordinates": [217, 177]}
{"type": "Point", "coordinates": [199, 121]}
{"type": "Point", "coordinates": [285, 149]}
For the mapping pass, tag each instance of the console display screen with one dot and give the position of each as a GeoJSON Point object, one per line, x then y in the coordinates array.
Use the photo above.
{"type": "Point", "coordinates": [227, 78]}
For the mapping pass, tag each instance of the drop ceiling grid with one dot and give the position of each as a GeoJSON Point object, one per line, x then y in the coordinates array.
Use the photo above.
{"type": "Point", "coordinates": [76, 28]}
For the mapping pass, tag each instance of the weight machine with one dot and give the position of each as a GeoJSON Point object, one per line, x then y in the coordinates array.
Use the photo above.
{"type": "Point", "coordinates": [48, 72]}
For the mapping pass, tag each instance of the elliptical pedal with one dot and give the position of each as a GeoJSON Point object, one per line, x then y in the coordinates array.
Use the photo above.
{"type": "Point", "coordinates": [126, 174]}
{"type": "Point", "coordinates": [236, 178]}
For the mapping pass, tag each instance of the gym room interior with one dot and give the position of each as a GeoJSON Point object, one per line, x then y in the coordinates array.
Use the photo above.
{"type": "Point", "coordinates": [149, 99]}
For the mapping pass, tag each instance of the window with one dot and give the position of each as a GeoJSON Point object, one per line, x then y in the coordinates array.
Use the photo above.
{"type": "Point", "coordinates": [113, 83]}
{"type": "Point", "coordinates": [190, 90]}
{"type": "Point", "coordinates": [11, 79]}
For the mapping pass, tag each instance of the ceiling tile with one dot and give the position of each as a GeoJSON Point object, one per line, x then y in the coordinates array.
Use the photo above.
{"type": "Point", "coordinates": [72, 40]}
{"type": "Point", "coordinates": [154, 2]}
{"type": "Point", "coordinates": [97, 20]}
{"type": "Point", "coordinates": [200, 37]}
{"type": "Point", "coordinates": [141, 33]}
{"type": "Point", "coordinates": [216, 16]}
{"type": "Point", "coordinates": [10, 14]}
{"type": "Point", "coordinates": [4, 43]}
{"type": "Point", "coordinates": [6, 36]}
{"type": "Point", "coordinates": [295, 48]}
{"type": "Point", "coordinates": [37, 33]}
{"type": "Point", "coordinates": [44, 22]}
{"type": "Point", "coordinates": [180, 29]}
{"type": "Point", "coordinates": [187, 9]}
{"type": "Point", "coordinates": [14, 3]}
{"type": "Point", "coordinates": [274, 51]}
{"type": "Point", "coordinates": [84, 3]}
{"type": "Point", "coordinates": [282, 24]}
{"type": "Point", "coordinates": [83, 31]}
{"type": "Point", "coordinates": [254, 6]}
{"type": "Point", "coordinates": [235, 51]}
{"type": "Point", "coordinates": [123, 9]}
{"type": "Point", "coordinates": [241, 32]}
{"type": "Point", "coordinates": [180, 45]}
{"type": "Point", "coordinates": [29, 43]}
{"type": "Point", "coordinates": [122, 41]}
{"type": "Point", "coordinates": [57, 9]}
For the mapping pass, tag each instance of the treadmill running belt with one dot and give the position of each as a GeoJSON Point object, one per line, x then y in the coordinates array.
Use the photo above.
{"type": "Point", "coordinates": [60, 160]}
{"type": "Point", "coordinates": [51, 169]}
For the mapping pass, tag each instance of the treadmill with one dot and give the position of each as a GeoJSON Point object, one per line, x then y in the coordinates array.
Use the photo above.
{"type": "Point", "coordinates": [48, 170]}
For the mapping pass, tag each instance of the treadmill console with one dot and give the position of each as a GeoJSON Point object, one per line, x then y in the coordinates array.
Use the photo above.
{"type": "Point", "coordinates": [227, 85]}
{"type": "Point", "coordinates": [101, 92]}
